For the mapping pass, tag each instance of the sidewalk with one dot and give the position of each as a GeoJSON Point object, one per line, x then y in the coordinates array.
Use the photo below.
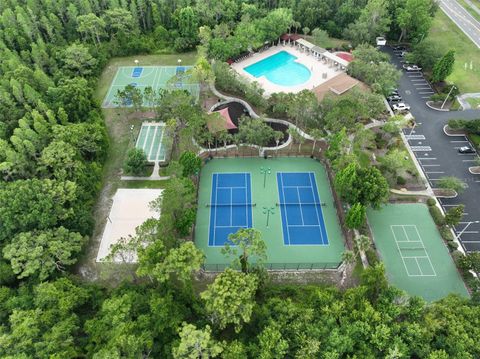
{"type": "Point", "coordinates": [462, 99]}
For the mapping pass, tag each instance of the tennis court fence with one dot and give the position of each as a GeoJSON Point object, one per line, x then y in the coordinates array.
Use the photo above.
{"type": "Point", "coordinates": [282, 266]}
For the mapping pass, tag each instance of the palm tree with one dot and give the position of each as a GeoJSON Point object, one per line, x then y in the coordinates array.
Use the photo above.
{"type": "Point", "coordinates": [348, 257]}
{"type": "Point", "coordinates": [363, 243]}
{"type": "Point", "coordinates": [278, 135]}
{"type": "Point", "coordinates": [316, 134]}
{"type": "Point", "coordinates": [225, 137]}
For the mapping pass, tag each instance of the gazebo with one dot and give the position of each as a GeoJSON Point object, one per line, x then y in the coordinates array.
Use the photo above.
{"type": "Point", "coordinates": [305, 45]}
{"type": "Point", "coordinates": [288, 38]}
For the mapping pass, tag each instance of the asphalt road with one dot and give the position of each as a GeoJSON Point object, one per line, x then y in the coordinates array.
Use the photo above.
{"type": "Point", "coordinates": [437, 153]}
{"type": "Point", "coordinates": [466, 22]}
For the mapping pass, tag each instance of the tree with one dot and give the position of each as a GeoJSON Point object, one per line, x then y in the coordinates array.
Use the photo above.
{"type": "Point", "coordinates": [230, 299]}
{"type": "Point", "coordinates": [363, 243]}
{"type": "Point", "coordinates": [190, 163]}
{"type": "Point", "coordinates": [348, 257]}
{"type": "Point", "coordinates": [39, 254]}
{"type": "Point", "coordinates": [196, 343]}
{"type": "Point", "coordinates": [453, 183]}
{"type": "Point", "coordinates": [414, 19]}
{"type": "Point", "coordinates": [78, 61]}
{"type": "Point", "coordinates": [444, 67]}
{"type": "Point", "coordinates": [129, 96]}
{"type": "Point", "coordinates": [425, 53]}
{"type": "Point", "coordinates": [245, 244]}
{"type": "Point", "coordinates": [454, 215]}
{"type": "Point", "coordinates": [118, 22]}
{"type": "Point", "coordinates": [374, 21]}
{"type": "Point", "coordinates": [366, 186]}
{"type": "Point", "coordinates": [271, 343]}
{"type": "Point", "coordinates": [320, 37]}
{"type": "Point", "coordinates": [136, 162]}
{"type": "Point", "coordinates": [395, 160]}
{"type": "Point", "coordinates": [316, 134]}
{"type": "Point", "coordinates": [93, 25]}
{"type": "Point", "coordinates": [29, 205]}
{"type": "Point", "coordinates": [356, 216]}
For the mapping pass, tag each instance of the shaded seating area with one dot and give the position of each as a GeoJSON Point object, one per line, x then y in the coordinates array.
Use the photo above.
{"type": "Point", "coordinates": [220, 120]}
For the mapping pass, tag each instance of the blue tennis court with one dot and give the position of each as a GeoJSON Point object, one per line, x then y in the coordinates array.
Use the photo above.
{"type": "Point", "coordinates": [137, 71]}
{"type": "Point", "coordinates": [301, 209]}
{"type": "Point", "coordinates": [230, 206]}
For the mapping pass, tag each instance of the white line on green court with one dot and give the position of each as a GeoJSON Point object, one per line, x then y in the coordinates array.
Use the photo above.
{"type": "Point", "coordinates": [161, 145]}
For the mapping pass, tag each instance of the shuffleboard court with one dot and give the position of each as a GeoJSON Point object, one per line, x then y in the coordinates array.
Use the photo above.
{"type": "Point", "coordinates": [156, 77]}
{"type": "Point", "coordinates": [416, 259]}
{"type": "Point", "coordinates": [230, 206]}
{"type": "Point", "coordinates": [232, 203]}
{"type": "Point", "coordinates": [151, 141]}
{"type": "Point", "coordinates": [301, 209]}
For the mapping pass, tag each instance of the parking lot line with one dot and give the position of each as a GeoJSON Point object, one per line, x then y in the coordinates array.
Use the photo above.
{"type": "Point", "coordinates": [458, 141]}
{"type": "Point", "coordinates": [436, 172]}
{"type": "Point", "coordinates": [469, 160]}
{"type": "Point", "coordinates": [425, 96]}
{"type": "Point", "coordinates": [422, 80]}
{"type": "Point", "coordinates": [431, 165]}
{"type": "Point", "coordinates": [466, 154]}
{"type": "Point", "coordinates": [430, 158]}
{"type": "Point", "coordinates": [424, 88]}
{"type": "Point", "coordinates": [425, 92]}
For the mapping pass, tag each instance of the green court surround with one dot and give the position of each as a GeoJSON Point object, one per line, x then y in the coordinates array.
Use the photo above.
{"type": "Point", "coordinates": [157, 77]}
{"type": "Point", "coordinates": [279, 256]}
{"type": "Point", "coordinates": [431, 272]}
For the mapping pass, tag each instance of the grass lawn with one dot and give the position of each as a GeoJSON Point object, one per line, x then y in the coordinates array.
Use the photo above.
{"type": "Point", "coordinates": [474, 102]}
{"type": "Point", "coordinates": [449, 36]}
{"type": "Point", "coordinates": [143, 184]}
{"type": "Point", "coordinates": [329, 43]}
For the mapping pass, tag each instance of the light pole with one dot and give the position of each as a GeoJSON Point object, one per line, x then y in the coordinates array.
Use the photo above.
{"type": "Point", "coordinates": [465, 228]}
{"type": "Point", "coordinates": [268, 211]}
{"type": "Point", "coordinates": [264, 171]}
{"type": "Point", "coordinates": [131, 132]}
{"type": "Point", "coordinates": [446, 98]}
{"type": "Point", "coordinates": [136, 62]}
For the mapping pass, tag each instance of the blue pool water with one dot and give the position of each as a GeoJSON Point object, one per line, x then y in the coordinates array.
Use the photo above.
{"type": "Point", "coordinates": [281, 69]}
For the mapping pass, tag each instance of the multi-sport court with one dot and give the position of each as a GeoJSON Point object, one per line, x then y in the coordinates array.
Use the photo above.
{"type": "Point", "coordinates": [151, 140]}
{"type": "Point", "coordinates": [303, 231]}
{"type": "Point", "coordinates": [157, 77]}
{"type": "Point", "coordinates": [416, 259]}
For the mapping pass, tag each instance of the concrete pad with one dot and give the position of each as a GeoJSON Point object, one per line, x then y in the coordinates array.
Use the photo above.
{"type": "Point", "coordinates": [129, 210]}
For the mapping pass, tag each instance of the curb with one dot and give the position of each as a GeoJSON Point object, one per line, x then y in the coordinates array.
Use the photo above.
{"type": "Point", "coordinates": [452, 135]}
{"type": "Point", "coordinates": [434, 108]}
{"type": "Point", "coordinates": [470, 169]}
{"type": "Point", "coordinates": [439, 196]}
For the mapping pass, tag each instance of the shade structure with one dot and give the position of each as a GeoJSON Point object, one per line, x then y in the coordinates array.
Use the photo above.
{"type": "Point", "coordinates": [214, 125]}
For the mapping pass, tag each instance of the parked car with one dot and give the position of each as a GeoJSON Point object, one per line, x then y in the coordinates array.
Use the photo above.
{"type": "Point", "coordinates": [466, 149]}
{"type": "Point", "coordinates": [401, 106]}
{"type": "Point", "coordinates": [394, 98]}
{"type": "Point", "coordinates": [399, 48]}
{"type": "Point", "coordinates": [402, 54]}
{"type": "Point", "coordinates": [394, 92]}
{"type": "Point", "coordinates": [412, 68]}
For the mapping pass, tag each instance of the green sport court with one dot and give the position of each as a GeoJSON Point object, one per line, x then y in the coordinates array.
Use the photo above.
{"type": "Point", "coordinates": [303, 231]}
{"type": "Point", "coordinates": [157, 77]}
{"type": "Point", "coordinates": [151, 140]}
{"type": "Point", "coordinates": [416, 259]}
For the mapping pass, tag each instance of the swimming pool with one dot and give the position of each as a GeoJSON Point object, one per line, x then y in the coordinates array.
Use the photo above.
{"type": "Point", "coordinates": [280, 69]}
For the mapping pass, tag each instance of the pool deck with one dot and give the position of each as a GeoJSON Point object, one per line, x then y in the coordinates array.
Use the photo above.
{"type": "Point", "coordinates": [316, 67]}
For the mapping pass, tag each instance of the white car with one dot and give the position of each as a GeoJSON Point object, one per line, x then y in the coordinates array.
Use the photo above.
{"type": "Point", "coordinates": [412, 68]}
{"type": "Point", "coordinates": [401, 107]}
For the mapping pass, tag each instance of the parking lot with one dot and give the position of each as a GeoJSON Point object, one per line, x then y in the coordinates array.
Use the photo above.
{"type": "Point", "coordinates": [438, 153]}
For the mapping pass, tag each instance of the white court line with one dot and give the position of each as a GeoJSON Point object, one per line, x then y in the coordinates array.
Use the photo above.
{"type": "Point", "coordinates": [301, 210]}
